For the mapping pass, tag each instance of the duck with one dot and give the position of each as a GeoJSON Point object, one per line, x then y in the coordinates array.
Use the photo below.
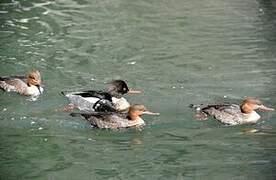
{"type": "Point", "coordinates": [96, 100]}
{"type": "Point", "coordinates": [233, 114]}
{"type": "Point", "coordinates": [29, 85]}
{"type": "Point", "coordinates": [117, 120]}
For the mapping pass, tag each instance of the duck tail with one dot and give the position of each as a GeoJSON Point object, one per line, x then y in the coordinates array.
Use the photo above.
{"type": "Point", "coordinates": [200, 114]}
{"type": "Point", "coordinates": [3, 78]}
{"type": "Point", "coordinates": [197, 107]}
{"type": "Point", "coordinates": [64, 93]}
{"type": "Point", "coordinates": [79, 114]}
{"type": "Point", "coordinates": [75, 114]}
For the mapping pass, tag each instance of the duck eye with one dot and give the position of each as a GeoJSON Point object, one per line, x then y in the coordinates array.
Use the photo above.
{"type": "Point", "coordinates": [31, 77]}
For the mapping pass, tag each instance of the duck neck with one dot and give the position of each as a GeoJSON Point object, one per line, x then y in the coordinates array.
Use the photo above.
{"type": "Point", "coordinates": [252, 117]}
{"type": "Point", "coordinates": [114, 93]}
{"type": "Point", "coordinates": [133, 117]}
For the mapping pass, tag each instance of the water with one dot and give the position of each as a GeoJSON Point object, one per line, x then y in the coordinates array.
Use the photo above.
{"type": "Point", "coordinates": [177, 52]}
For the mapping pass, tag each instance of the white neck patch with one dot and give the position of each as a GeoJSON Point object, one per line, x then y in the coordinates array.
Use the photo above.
{"type": "Point", "coordinates": [33, 90]}
{"type": "Point", "coordinates": [137, 122]}
{"type": "Point", "coordinates": [252, 117]}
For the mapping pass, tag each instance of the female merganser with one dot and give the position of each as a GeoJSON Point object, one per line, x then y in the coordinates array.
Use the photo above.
{"type": "Point", "coordinates": [29, 85]}
{"type": "Point", "coordinates": [115, 120]}
{"type": "Point", "coordinates": [92, 100]}
{"type": "Point", "coordinates": [233, 114]}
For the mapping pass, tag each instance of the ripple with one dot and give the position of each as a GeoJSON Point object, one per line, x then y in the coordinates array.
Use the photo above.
{"type": "Point", "coordinates": [37, 5]}
{"type": "Point", "coordinates": [4, 12]}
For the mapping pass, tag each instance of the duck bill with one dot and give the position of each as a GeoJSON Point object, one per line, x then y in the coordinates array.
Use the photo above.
{"type": "Point", "coordinates": [264, 108]}
{"type": "Point", "coordinates": [132, 91]}
{"type": "Point", "coordinates": [151, 113]}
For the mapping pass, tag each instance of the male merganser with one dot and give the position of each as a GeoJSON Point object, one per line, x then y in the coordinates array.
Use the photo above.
{"type": "Point", "coordinates": [92, 100]}
{"type": "Point", "coordinates": [29, 85]}
{"type": "Point", "coordinates": [233, 114]}
{"type": "Point", "coordinates": [115, 120]}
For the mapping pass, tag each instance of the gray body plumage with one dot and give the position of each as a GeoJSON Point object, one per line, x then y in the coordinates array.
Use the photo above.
{"type": "Point", "coordinates": [14, 84]}
{"type": "Point", "coordinates": [226, 113]}
{"type": "Point", "coordinates": [107, 120]}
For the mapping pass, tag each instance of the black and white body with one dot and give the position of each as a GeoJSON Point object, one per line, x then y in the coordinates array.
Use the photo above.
{"type": "Point", "coordinates": [29, 85]}
{"type": "Point", "coordinates": [233, 114]}
{"type": "Point", "coordinates": [110, 100]}
{"type": "Point", "coordinates": [115, 120]}
{"type": "Point", "coordinates": [91, 101]}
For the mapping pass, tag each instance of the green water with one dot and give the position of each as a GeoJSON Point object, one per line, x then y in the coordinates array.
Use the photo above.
{"type": "Point", "coordinates": [178, 52]}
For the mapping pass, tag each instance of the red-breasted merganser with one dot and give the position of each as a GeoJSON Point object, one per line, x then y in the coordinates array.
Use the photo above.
{"type": "Point", "coordinates": [110, 100]}
{"type": "Point", "coordinates": [115, 120]}
{"type": "Point", "coordinates": [29, 85]}
{"type": "Point", "coordinates": [233, 114]}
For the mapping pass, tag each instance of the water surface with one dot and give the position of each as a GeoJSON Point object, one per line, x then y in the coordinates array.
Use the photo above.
{"type": "Point", "coordinates": [178, 52]}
